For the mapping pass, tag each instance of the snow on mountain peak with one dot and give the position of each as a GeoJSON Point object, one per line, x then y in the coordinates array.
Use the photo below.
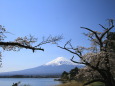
{"type": "Point", "coordinates": [60, 61]}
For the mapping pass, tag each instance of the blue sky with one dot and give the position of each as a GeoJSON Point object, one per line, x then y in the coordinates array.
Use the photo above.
{"type": "Point", "coordinates": [49, 17]}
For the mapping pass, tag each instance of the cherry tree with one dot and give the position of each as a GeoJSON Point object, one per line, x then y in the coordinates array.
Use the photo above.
{"type": "Point", "coordinates": [98, 58]}
{"type": "Point", "coordinates": [26, 42]}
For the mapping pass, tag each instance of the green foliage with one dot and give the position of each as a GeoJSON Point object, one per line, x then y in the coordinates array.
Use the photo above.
{"type": "Point", "coordinates": [72, 83]}
{"type": "Point", "coordinates": [64, 75]}
{"type": "Point", "coordinates": [97, 84]}
{"type": "Point", "coordinates": [75, 83]}
{"type": "Point", "coordinates": [71, 75]}
{"type": "Point", "coordinates": [73, 72]}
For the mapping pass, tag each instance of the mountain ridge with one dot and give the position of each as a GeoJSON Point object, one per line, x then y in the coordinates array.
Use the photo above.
{"type": "Point", "coordinates": [54, 67]}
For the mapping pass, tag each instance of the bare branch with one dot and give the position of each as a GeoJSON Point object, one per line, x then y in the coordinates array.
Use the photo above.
{"type": "Point", "coordinates": [89, 29]}
{"type": "Point", "coordinates": [67, 50]}
{"type": "Point", "coordinates": [76, 61]}
{"type": "Point", "coordinates": [67, 43]}
{"type": "Point", "coordinates": [103, 27]}
{"type": "Point", "coordinates": [100, 42]}
{"type": "Point", "coordinates": [106, 32]}
{"type": "Point", "coordinates": [50, 39]}
{"type": "Point", "coordinates": [93, 39]}
{"type": "Point", "coordinates": [84, 61]}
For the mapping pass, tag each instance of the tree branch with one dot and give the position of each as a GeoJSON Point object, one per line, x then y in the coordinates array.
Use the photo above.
{"type": "Point", "coordinates": [67, 43]}
{"type": "Point", "coordinates": [76, 61]}
{"type": "Point", "coordinates": [96, 35]}
{"type": "Point", "coordinates": [93, 39]}
{"type": "Point", "coordinates": [20, 45]}
{"type": "Point", "coordinates": [70, 51]}
{"type": "Point", "coordinates": [50, 39]}
{"type": "Point", "coordinates": [103, 26]}
{"type": "Point", "coordinates": [85, 62]}
{"type": "Point", "coordinates": [106, 31]}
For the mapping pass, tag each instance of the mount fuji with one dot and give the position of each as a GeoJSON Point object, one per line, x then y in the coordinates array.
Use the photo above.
{"type": "Point", "coordinates": [54, 67]}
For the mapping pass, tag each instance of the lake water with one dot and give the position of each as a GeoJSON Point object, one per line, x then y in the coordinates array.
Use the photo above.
{"type": "Point", "coordinates": [30, 81]}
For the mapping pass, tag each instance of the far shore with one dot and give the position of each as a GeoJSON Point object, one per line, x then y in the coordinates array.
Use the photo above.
{"type": "Point", "coordinates": [31, 76]}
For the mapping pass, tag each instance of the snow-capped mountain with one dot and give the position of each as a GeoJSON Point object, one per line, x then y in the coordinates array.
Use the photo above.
{"type": "Point", "coordinates": [60, 61]}
{"type": "Point", "coordinates": [54, 67]}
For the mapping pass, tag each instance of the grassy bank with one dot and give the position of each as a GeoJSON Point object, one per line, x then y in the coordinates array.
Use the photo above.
{"type": "Point", "coordinates": [74, 83]}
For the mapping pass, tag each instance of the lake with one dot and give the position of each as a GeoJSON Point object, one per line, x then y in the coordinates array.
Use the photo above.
{"type": "Point", "coordinates": [30, 81]}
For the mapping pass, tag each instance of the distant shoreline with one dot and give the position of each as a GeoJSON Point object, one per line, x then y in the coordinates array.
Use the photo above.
{"type": "Point", "coordinates": [31, 76]}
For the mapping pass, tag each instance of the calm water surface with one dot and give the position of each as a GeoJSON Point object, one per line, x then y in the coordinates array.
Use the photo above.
{"type": "Point", "coordinates": [30, 81]}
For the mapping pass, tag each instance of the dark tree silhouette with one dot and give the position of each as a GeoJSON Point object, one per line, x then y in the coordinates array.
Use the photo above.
{"type": "Point", "coordinates": [71, 75]}
{"type": "Point", "coordinates": [23, 42]}
{"type": "Point", "coordinates": [73, 72]}
{"type": "Point", "coordinates": [64, 75]}
{"type": "Point", "coordinates": [99, 56]}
